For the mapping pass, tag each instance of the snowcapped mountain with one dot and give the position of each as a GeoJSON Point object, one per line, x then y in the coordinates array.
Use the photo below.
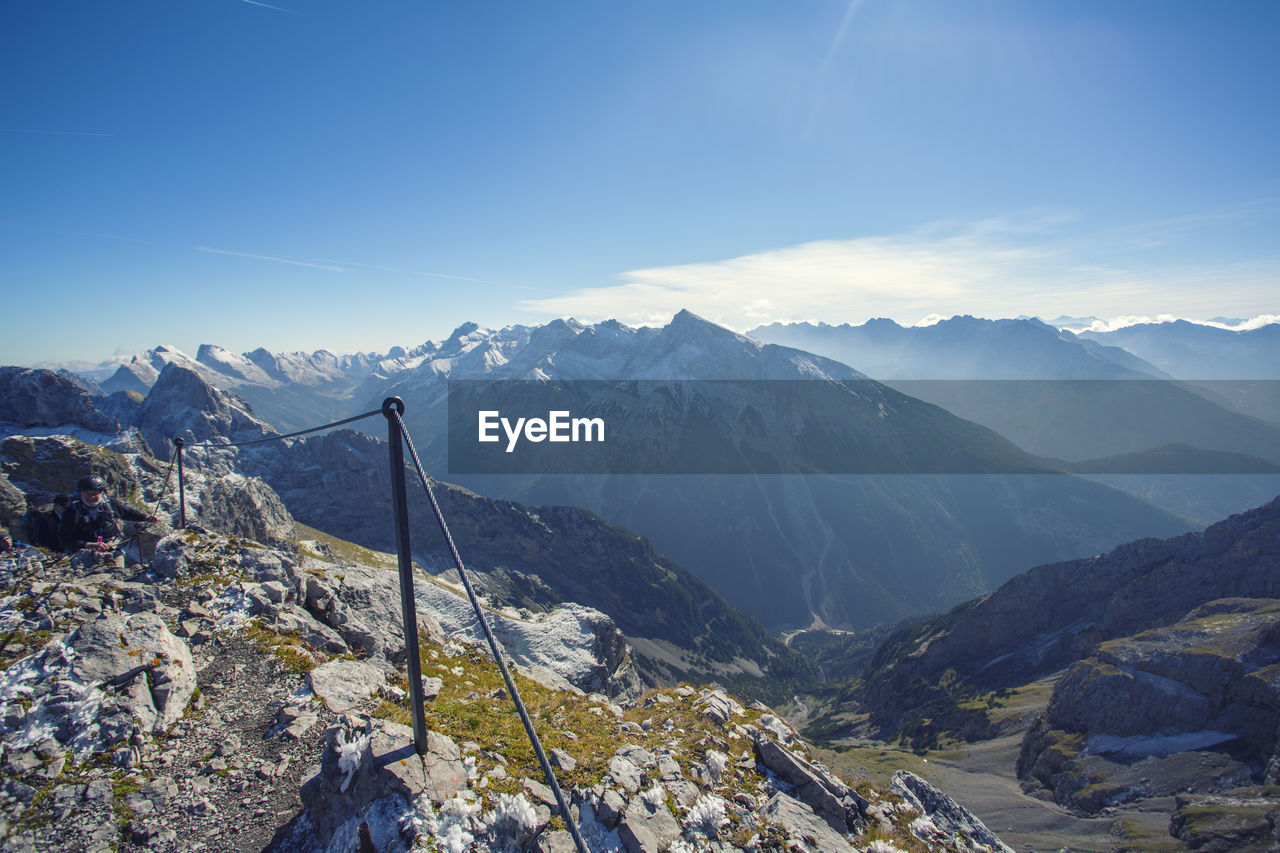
{"type": "Point", "coordinates": [290, 390]}
{"type": "Point", "coordinates": [849, 551]}
{"type": "Point", "coordinates": [1195, 351]}
{"type": "Point", "coordinates": [962, 347]}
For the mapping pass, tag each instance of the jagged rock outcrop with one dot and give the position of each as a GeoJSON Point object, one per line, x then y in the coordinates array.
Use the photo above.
{"type": "Point", "coordinates": [242, 506]}
{"type": "Point", "coordinates": [1162, 699]}
{"type": "Point", "coordinates": [182, 404]}
{"type": "Point", "coordinates": [940, 817]}
{"type": "Point", "coordinates": [45, 466]}
{"type": "Point", "coordinates": [1053, 615]}
{"type": "Point", "coordinates": [232, 504]}
{"type": "Point", "coordinates": [42, 398]}
{"type": "Point", "coordinates": [13, 506]}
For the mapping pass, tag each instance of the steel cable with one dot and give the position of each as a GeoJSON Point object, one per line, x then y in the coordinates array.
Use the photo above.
{"type": "Point", "coordinates": [292, 434]}
{"type": "Point", "coordinates": [493, 644]}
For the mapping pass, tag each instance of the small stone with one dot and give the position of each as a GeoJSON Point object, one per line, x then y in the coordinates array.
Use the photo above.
{"type": "Point", "coordinates": [196, 611]}
{"type": "Point", "coordinates": [562, 759]}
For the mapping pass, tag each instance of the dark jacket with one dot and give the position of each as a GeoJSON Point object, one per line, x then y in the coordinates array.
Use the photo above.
{"type": "Point", "coordinates": [81, 525]}
{"type": "Point", "coordinates": [46, 530]}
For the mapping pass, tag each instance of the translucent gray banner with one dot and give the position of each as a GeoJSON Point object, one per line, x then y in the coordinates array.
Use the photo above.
{"type": "Point", "coordinates": [860, 427]}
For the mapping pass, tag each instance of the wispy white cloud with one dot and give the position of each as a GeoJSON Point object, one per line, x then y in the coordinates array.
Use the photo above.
{"type": "Point", "coordinates": [995, 268]}
{"type": "Point", "coordinates": [1122, 322]}
{"type": "Point", "coordinates": [293, 261]}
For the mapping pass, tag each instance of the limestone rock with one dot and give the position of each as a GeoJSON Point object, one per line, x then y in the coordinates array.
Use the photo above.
{"type": "Point", "coordinates": [836, 802]}
{"type": "Point", "coordinates": [87, 690]}
{"type": "Point", "coordinates": [345, 685]}
{"type": "Point", "coordinates": [814, 832]}
{"type": "Point", "coordinates": [647, 828]}
{"type": "Point", "coordinates": [32, 397]}
{"type": "Point", "coordinates": [942, 819]}
{"type": "Point", "coordinates": [1209, 682]}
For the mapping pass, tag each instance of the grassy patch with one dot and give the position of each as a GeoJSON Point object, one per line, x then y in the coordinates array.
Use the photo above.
{"type": "Point", "coordinates": [289, 649]}
{"type": "Point", "coordinates": [340, 550]}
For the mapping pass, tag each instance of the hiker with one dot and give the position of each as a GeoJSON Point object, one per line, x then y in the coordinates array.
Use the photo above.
{"type": "Point", "coordinates": [46, 525]}
{"type": "Point", "coordinates": [90, 520]}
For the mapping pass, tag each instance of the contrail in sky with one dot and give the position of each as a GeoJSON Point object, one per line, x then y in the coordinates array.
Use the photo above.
{"type": "Point", "coordinates": [59, 132]}
{"type": "Point", "coordinates": [268, 257]}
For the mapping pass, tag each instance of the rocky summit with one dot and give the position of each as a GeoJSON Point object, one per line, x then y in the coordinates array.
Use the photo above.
{"type": "Point", "coordinates": [222, 695]}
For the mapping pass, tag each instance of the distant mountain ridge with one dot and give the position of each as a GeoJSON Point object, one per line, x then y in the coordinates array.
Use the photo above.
{"type": "Point", "coordinates": [1049, 391]}
{"type": "Point", "coordinates": [962, 347]}
{"type": "Point", "coordinates": [1193, 351]}
{"type": "Point", "coordinates": [850, 551]}
{"type": "Point", "coordinates": [846, 551]}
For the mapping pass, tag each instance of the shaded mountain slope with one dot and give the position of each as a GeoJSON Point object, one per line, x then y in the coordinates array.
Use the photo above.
{"type": "Point", "coordinates": [1055, 614]}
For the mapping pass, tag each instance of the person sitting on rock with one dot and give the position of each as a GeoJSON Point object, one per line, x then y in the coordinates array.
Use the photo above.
{"type": "Point", "coordinates": [46, 528]}
{"type": "Point", "coordinates": [90, 520]}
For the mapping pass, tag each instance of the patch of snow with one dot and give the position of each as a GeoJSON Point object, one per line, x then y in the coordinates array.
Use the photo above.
{"type": "Point", "coordinates": [233, 605]}
{"type": "Point", "coordinates": [706, 817]}
{"type": "Point", "coordinates": [350, 754]}
{"type": "Point", "coordinates": [511, 812]}
{"type": "Point", "coordinates": [654, 796]}
{"type": "Point", "coordinates": [1159, 746]}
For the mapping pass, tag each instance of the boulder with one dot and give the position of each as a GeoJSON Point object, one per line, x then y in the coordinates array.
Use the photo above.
{"type": "Point", "coordinates": [647, 828]}
{"type": "Point", "coordinates": [830, 798]}
{"type": "Point", "coordinates": [110, 677]}
{"type": "Point", "coordinates": [815, 833]}
{"type": "Point", "coordinates": [371, 773]}
{"type": "Point", "coordinates": [345, 685]}
{"type": "Point", "coordinates": [942, 819]}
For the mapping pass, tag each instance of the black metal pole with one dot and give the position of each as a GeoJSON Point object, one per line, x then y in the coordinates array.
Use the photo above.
{"type": "Point", "coordinates": [182, 487]}
{"type": "Point", "coordinates": [391, 407]}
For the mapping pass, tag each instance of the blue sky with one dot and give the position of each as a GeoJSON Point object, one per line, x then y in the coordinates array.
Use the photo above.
{"type": "Point", "coordinates": [315, 173]}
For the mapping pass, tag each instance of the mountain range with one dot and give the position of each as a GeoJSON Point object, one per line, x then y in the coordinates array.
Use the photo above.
{"type": "Point", "coordinates": [842, 550]}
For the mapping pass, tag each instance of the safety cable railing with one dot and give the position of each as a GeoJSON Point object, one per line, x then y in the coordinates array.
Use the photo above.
{"type": "Point", "coordinates": [393, 407]}
{"type": "Point", "coordinates": [398, 437]}
{"type": "Point", "coordinates": [351, 419]}
{"type": "Point", "coordinates": [179, 444]}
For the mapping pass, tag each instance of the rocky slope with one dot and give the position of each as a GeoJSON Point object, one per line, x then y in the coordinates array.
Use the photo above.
{"type": "Point", "coordinates": [1053, 615]}
{"type": "Point", "coordinates": [225, 696]}
{"type": "Point", "coordinates": [1191, 707]}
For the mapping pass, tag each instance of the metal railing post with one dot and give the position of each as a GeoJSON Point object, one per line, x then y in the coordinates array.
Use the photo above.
{"type": "Point", "coordinates": [182, 486]}
{"type": "Point", "coordinates": [391, 407]}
